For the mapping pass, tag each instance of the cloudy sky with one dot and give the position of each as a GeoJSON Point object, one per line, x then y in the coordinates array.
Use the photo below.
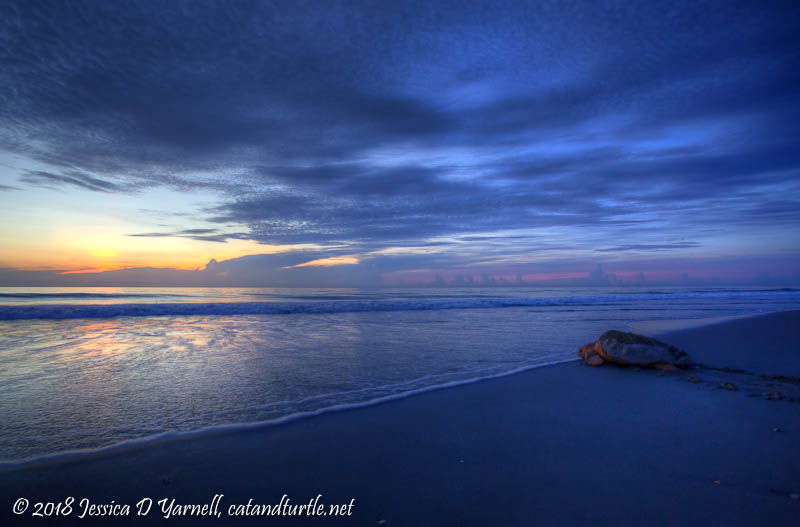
{"type": "Point", "coordinates": [389, 141]}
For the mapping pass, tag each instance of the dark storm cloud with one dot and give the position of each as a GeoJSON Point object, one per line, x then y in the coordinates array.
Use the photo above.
{"type": "Point", "coordinates": [384, 124]}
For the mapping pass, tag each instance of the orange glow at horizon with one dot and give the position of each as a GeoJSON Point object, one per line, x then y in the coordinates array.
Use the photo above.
{"type": "Point", "coordinates": [74, 232]}
{"type": "Point", "coordinates": [103, 249]}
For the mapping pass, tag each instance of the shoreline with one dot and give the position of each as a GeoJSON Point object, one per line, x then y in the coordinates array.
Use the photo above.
{"type": "Point", "coordinates": [562, 445]}
{"type": "Point", "coordinates": [69, 456]}
{"type": "Point", "coordinates": [657, 328]}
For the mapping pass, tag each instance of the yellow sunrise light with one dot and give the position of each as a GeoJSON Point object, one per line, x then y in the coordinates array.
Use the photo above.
{"type": "Point", "coordinates": [328, 262]}
{"type": "Point", "coordinates": [103, 253]}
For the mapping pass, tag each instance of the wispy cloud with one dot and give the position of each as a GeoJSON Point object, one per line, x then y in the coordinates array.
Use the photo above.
{"type": "Point", "coordinates": [488, 134]}
{"type": "Point", "coordinates": [651, 247]}
{"type": "Point", "coordinates": [71, 179]}
{"type": "Point", "coordinates": [209, 235]}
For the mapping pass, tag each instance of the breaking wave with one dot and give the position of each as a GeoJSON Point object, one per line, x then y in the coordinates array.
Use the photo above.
{"type": "Point", "coordinates": [73, 311]}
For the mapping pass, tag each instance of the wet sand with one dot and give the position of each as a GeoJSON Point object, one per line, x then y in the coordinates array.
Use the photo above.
{"type": "Point", "coordinates": [560, 445]}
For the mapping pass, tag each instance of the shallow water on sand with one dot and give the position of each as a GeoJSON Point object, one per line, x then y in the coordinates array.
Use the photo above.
{"type": "Point", "coordinates": [87, 368]}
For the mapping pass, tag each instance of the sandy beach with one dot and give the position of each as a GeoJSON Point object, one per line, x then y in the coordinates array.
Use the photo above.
{"type": "Point", "coordinates": [560, 445]}
{"type": "Point", "coordinates": [420, 263]}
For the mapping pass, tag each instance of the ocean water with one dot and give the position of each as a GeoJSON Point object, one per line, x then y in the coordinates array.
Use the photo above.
{"type": "Point", "coordinates": [83, 369]}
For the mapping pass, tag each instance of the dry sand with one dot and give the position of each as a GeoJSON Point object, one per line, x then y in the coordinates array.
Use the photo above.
{"type": "Point", "coordinates": [561, 445]}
